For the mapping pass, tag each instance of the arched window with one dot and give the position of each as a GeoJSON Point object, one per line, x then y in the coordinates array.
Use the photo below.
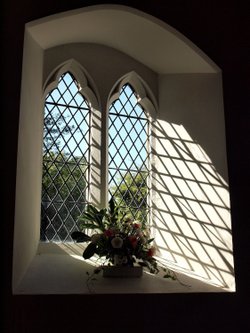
{"type": "Point", "coordinates": [128, 151]}
{"type": "Point", "coordinates": [66, 159]}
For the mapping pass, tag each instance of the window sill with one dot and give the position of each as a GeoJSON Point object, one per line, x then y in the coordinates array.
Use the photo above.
{"type": "Point", "coordinates": [60, 269]}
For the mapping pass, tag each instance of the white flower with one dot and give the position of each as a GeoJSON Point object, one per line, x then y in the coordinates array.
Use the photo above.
{"type": "Point", "coordinates": [117, 242]}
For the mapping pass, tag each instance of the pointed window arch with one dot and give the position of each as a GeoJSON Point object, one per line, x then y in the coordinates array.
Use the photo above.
{"type": "Point", "coordinates": [66, 159]}
{"type": "Point", "coordinates": [129, 154]}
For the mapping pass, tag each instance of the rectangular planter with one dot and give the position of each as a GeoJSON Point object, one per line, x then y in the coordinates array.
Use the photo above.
{"type": "Point", "coordinates": [122, 271]}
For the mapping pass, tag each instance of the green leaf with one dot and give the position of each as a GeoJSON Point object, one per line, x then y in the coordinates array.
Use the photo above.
{"type": "Point", "coordinates": [112, 205]}
{"type": "Point", "coordinates": [166, 276]}
{"type": "Point", "coordinates": [80, 237]}
{"type": "Point", "coordinates": [89, 251]}
{"type": "Point", "coordinates": [92, 209]}
{"type": "Point", "coordinates": [95, 216]}
{"type": "Point", "coordinates": [99, 218]}
{"type": "Point", "coordinates": [89, 226]}
{"type": "Point", "coordinates": [88, 216]}
{"type": "Point", "coordinates": [150, 240]}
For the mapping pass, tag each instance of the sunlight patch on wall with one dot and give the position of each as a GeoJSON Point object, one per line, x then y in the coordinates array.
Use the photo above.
{"type": "Point", "coordinates": [191, 207]}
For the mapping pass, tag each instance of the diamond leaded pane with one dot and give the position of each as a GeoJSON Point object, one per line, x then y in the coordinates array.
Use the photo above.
{"type": "Point", "coordinates": [128, 153]}
{"type": "Point", "coordinates": [66, 160]}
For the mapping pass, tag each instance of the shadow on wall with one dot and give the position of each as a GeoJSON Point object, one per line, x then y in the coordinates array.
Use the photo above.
{"type": "Point", "coordinates": [191, 208]}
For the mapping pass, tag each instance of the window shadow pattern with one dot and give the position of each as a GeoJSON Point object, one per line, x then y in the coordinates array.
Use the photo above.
{"type": "Point", "coordinates": [190, 207]}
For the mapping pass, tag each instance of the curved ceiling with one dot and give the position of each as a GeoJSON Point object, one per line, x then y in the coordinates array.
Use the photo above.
{"type": "Point", "coordinates": [139, 35]}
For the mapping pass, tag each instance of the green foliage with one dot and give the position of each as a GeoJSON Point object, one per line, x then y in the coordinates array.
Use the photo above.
{"type": "Point", "coordinates": [64, 177]}
{"type": "Point", "coordinates": [131, 193]}
{"type": "Point", "coordinates": [93, 218]}
{"type": "Point", "coordinates": [89, 251]}
{"type": "Point", "coordinates": [117, 237]}
{"type": "Point", "coordinates": [63, 194]}
{"type": "Point", "coordinates": [80, 237]}
{"type": "Point", "coordinates": [119, 240]}
{"type": "Point", "coordinates": [55, 127]}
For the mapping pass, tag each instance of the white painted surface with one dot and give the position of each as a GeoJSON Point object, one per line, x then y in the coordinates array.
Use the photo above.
{"type": "Point", "coordinates": [141, 36]}
{"type": "Point", "coordinates": [64, 274]}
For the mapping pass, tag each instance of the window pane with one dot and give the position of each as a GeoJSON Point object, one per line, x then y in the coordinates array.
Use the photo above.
{"type": "Point", "coordinates": [129, 155]}
{"type": "Point", "coordinates": [66, 160]}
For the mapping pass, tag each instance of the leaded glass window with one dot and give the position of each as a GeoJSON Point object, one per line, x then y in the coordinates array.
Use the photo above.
{"type": "Point", "coordinates": [66, 159]}
{"type": "Point", "coordinates": [128, 151]}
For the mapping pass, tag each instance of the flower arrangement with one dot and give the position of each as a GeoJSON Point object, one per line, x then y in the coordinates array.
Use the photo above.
{"type": "Point", "coordinates": [119, 239]}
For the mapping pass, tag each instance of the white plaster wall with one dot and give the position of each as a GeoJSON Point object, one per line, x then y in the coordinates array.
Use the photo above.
{"type": "Point", "coordinates": [29, 163]}
{"type": "Point", "coordinates": [105, 66]}
{"type": "Point", "coordinates": [195, 101]}
{"type": "Point", "coordinates": [191, 208]}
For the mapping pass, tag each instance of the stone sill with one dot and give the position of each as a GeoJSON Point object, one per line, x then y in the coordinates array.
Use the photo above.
{"type": "Point", "coordinates": [60, 269]}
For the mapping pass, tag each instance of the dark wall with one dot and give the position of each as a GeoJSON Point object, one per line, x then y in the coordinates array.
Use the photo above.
{"type": "Point", "coordinates": [222, 30]}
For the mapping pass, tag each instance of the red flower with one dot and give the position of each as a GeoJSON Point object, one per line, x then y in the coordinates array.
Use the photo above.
{"type": "Point", "coordinates": [136, 225]}
{"type": "Point", "coordinates": [133, 241]}
{"type": "Point", "coordinates": [109, 233]}
{"type": "Point", "coordinates": [151, 252]}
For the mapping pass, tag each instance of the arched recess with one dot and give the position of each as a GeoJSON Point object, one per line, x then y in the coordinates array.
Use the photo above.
{"type": "Point", "coordinates": [188, 91]}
